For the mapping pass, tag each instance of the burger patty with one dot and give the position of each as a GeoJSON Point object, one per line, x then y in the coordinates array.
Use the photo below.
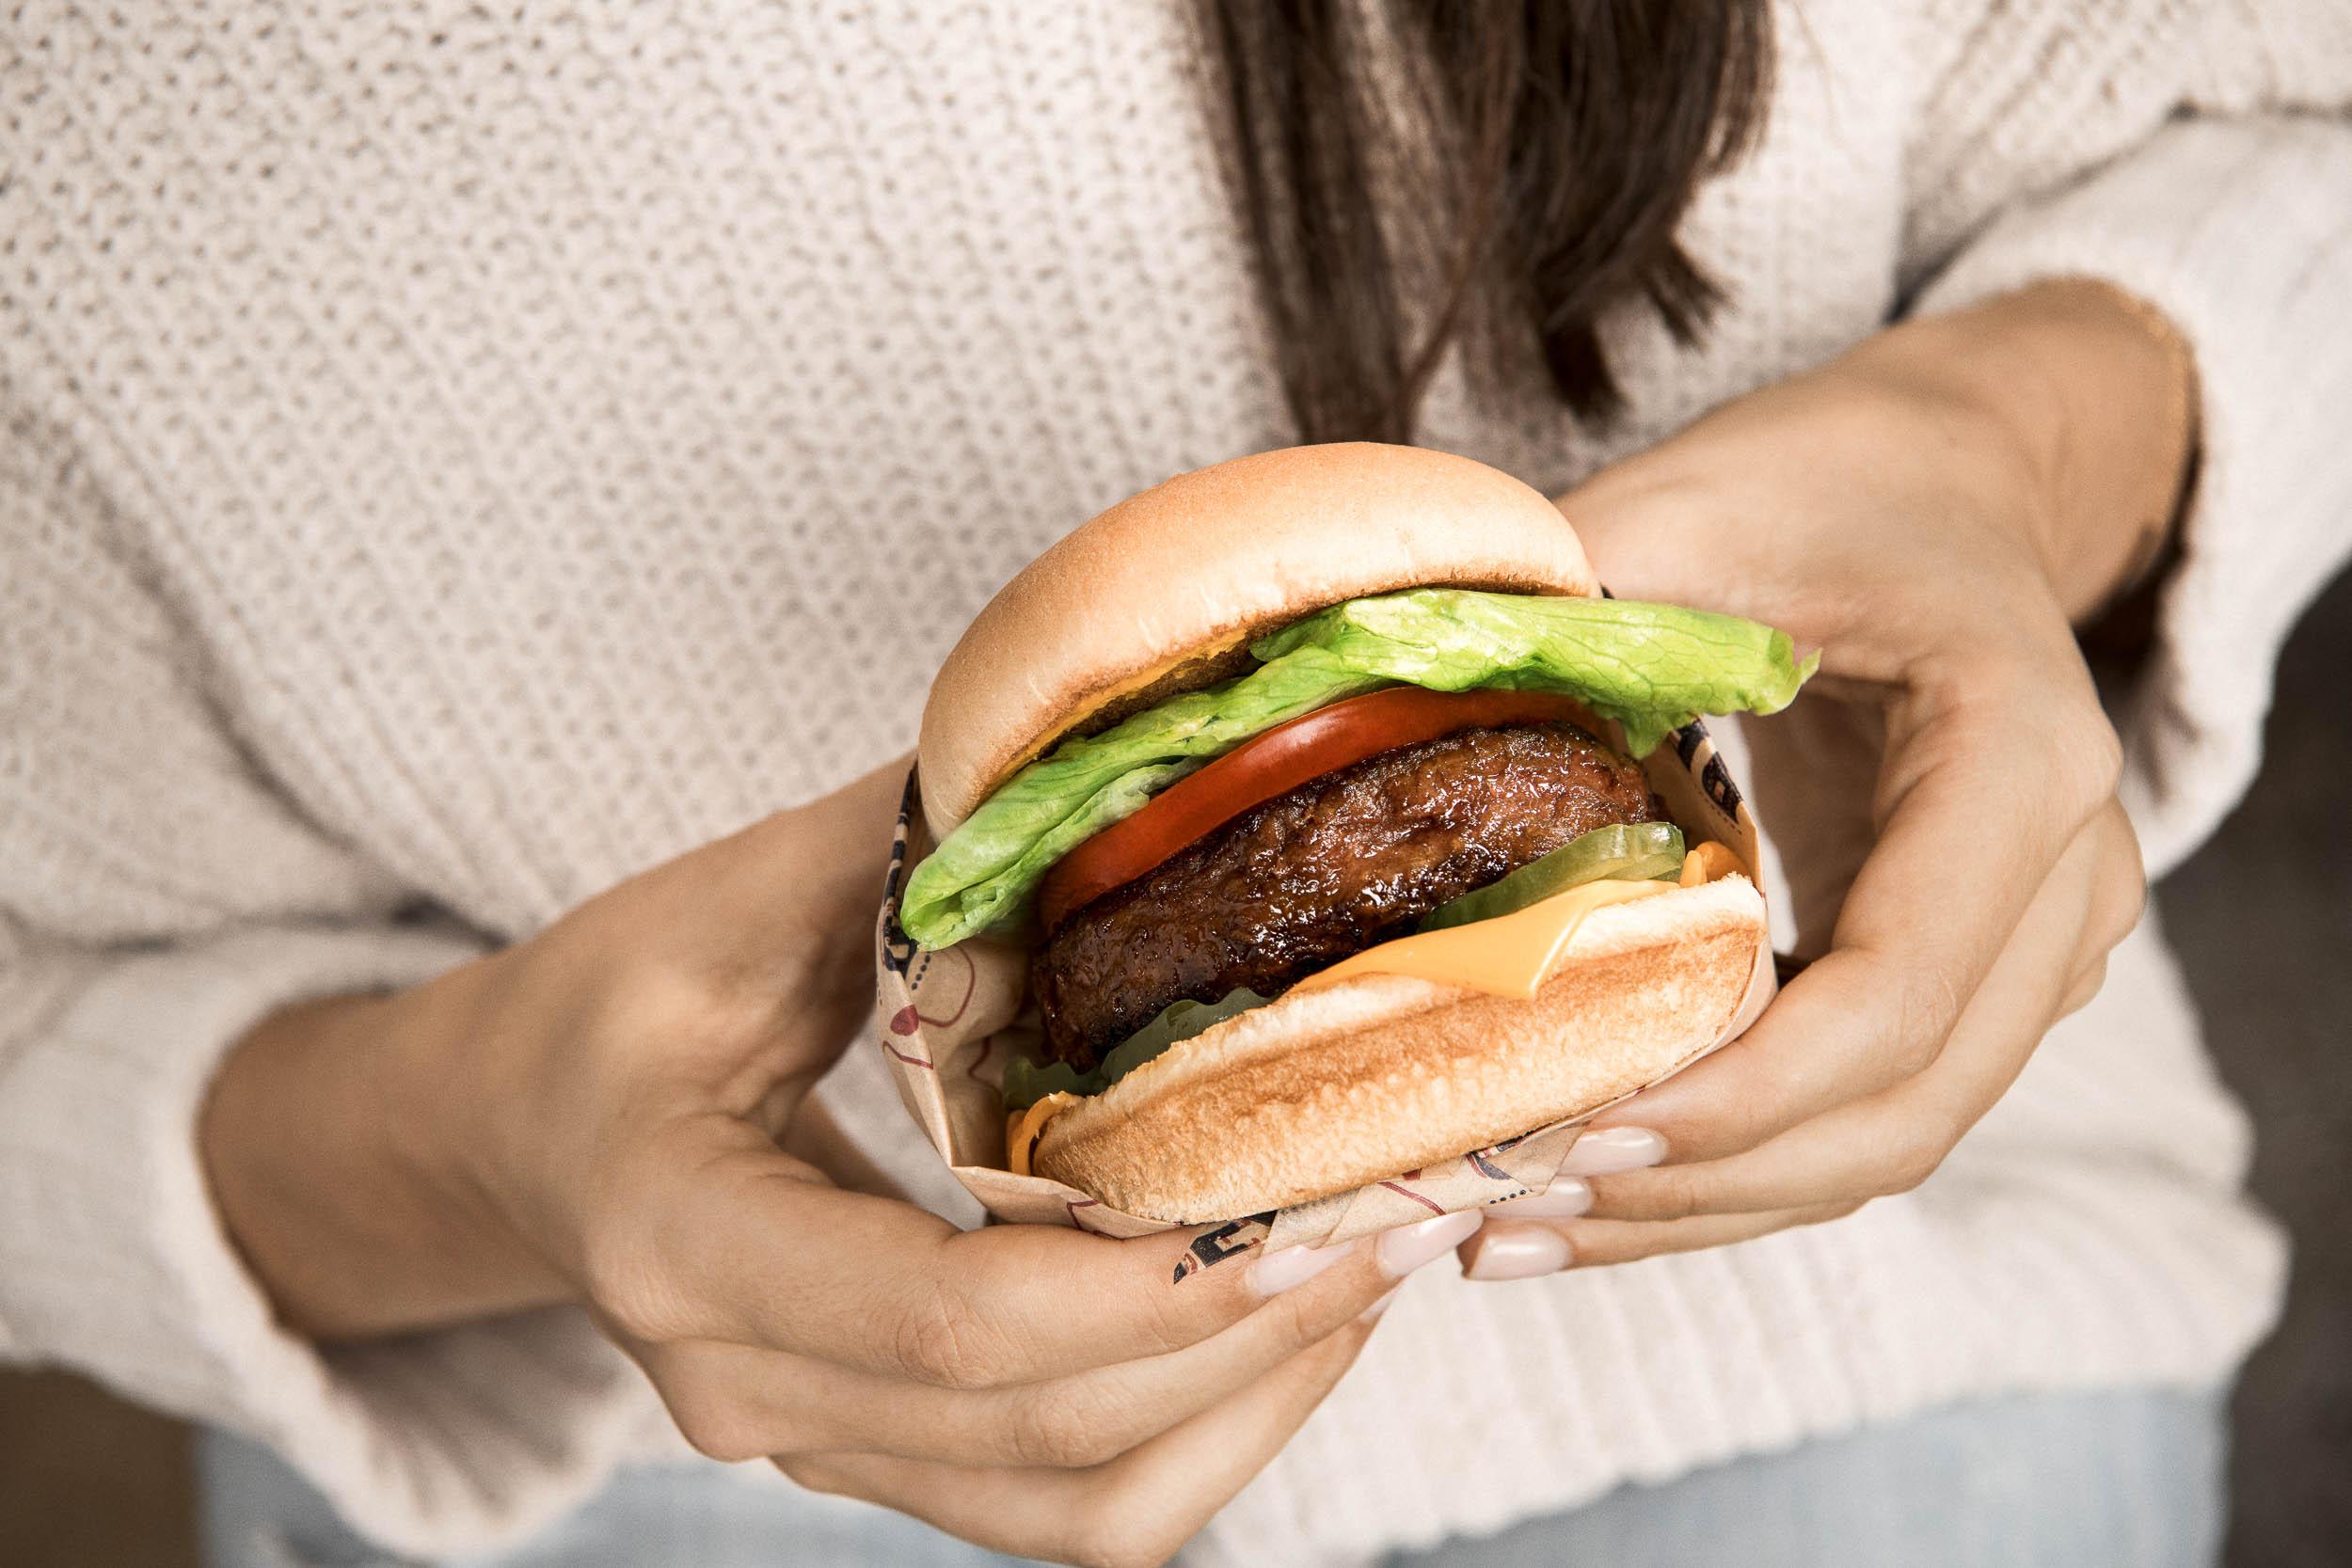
{"type": "Point", "coordinates": [1306, 878]}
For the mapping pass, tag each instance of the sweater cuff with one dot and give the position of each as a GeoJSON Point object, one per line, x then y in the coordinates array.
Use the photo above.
{"type": "Point", "coordinates": [2240, 232]}
{"type": "Point", "coordinates": [113, 1261]}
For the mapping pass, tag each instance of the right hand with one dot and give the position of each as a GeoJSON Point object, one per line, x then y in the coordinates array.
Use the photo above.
{"type": "Point", "coordinates": [601, 1114]}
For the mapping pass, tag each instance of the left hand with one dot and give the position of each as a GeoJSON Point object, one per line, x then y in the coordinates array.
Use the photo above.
{"type": "Point", "coordinates": [1935, 511]}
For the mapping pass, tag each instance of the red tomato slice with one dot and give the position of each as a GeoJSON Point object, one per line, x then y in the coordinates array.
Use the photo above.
{"type": "Point", "coordinates": [1273, 764]}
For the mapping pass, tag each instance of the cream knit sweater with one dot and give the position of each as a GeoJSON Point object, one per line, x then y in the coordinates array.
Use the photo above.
{"type": "Point", "coordinates": [458, 456]}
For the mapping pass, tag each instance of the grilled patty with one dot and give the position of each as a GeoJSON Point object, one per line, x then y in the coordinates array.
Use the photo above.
{"type": "Point", "coordinates": [1306, 878]}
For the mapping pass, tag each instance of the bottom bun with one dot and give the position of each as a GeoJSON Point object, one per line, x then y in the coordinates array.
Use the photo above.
{"type": "Point", "coordinates": [1329, 1087]}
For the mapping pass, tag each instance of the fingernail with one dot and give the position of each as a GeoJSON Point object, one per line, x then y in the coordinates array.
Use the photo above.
{"type": "Point", "coordinates": [1565, 1198]}
{"type": "Point", "coordinates": [1372, 1314]}
{"type": "Point", "coordinates": [1612, 1150]}
{"type": "Point", "coordinates": [1518, 1252]}
{"type": "Point", "coordinates": [1407, 1248]}
{"type": "Point", "coordinates": [1278, 1271]}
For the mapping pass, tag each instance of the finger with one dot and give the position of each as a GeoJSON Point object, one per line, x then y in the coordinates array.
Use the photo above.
{"type": "Point", "coordinates": [2119, 897]}
{"type": "Point", "coordinates": [750, 1247]}
{"type": "Point", "coordinates": [2087, 985]}
{"type": "Point", "coordinates": [736, 1403]}
{"type": "Point", "coordinates": [1981, 798]}
{"type": "Point", "coordinates": [1137, 1508]}
{"type": "Point", "coordinates": [2119, 900]}
{"type": "Point", "coordinates": [1895, 1140]}
{"type": "Point", "coordinates": [1521, 1249]}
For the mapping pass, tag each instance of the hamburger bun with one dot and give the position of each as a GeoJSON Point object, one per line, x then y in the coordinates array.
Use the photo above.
{"type": "Point", "coordinates": [1334, 1084]}
{"type": "Point", "coordinates": [1157, 593]}
{"type": "Point", "coordinates": [1329, 1087]}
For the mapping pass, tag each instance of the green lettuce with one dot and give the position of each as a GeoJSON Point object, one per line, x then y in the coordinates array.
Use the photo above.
{"type": "Point", "coordinates": [1651, 667]}
{"type": "Point", "coordinates": [1027, 1081]}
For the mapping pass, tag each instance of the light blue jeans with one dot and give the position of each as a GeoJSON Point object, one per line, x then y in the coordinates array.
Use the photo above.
{"type": "Point", "coordinates": [2132, 1478]}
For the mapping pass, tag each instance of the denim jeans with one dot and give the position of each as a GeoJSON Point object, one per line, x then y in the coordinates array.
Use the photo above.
{"type": "Point", "coordinates": [2133, 1479]}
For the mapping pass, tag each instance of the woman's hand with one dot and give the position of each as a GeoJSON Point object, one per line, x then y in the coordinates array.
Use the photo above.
{"type": "Point", "coordinates": [595, 1116]}
{"type": "Point", "coordinates": [1935, 511]}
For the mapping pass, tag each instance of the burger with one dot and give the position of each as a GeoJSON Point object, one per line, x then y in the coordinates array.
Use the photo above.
{"type": "Point", "coordinates": [1331, 807]}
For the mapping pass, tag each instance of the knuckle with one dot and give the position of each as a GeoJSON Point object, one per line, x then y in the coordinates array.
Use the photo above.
{"type": "Point", "coordinates": [2074, 742]}
{"type": "Point", "coordinates": [2123, 914]}
{"type": "Point", "coordinates": [628, 1286]}
{"type": "Point", "coordinates": [1145, 1554]}
{"type": "Point", "coordinates": [717, 1429]}
{"type": "Point", "coordinates": [1738, 1124]}
{"type": "Point", "coordinates": [1919, 1015]}
{"type": "Point", "coordinates": [1105, 1536]}
{"type": "Point", "coordinates": [1062, 1428]}
{"type": "Point", "coordinates": [2087, 986]}
{"type": "Point", "coordinates": [1911, 1167]}
{"type": "Point", "coordinates": [1294, 1319]}
{"type": "Point", "coordinates": [816, 1473]}
{"type": "Point", "coordinates": [1744, 1104]}
{"type": "Point", "coordinates": [941, 1340]}
{"type": "Point", "coordinates": [2072, 752]}
{"type": "Point", "coordinates": [2102, 753]}
{"type": "Point", "coordinates": [2081, 759]}
{"type": "Point", "coordinates": [1672, 1193]}
{"type": "Point", "coordinates": [2122, 902]}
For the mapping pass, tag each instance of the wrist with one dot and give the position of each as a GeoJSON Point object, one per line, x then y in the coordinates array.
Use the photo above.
{"type": "Point", "coordinates": [327, 1141]}
{"type": "Point", "coordinates": [2094, 395]}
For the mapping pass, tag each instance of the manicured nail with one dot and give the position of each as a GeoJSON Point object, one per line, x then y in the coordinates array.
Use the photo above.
{"type": "Point", "coordinates": [1373, 1314]}
{"type": "Point", "coordinates": [1565, 1198]}
{"type": "Point", "coordinates": [1291, 1267]}
{"type": "Point", "coordinates": [1518, 1252]}
{"type": "Point", "coordinates": [1407, 1248]}
{"type": "Point", "coordinates": [1613, 1150]}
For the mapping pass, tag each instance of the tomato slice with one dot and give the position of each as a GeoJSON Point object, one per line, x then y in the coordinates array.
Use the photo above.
{"type": "Point", "coordinates": [1273, 764]}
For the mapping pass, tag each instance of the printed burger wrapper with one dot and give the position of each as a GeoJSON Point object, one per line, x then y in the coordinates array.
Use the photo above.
{"type": "Point", "coordinates": [949, 1021]}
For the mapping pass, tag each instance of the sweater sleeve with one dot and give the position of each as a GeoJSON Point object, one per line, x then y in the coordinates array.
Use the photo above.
{"type": "Point", "coordinates": [157, 899]}
{"type": "Point", "coordinates": [2203, 164]}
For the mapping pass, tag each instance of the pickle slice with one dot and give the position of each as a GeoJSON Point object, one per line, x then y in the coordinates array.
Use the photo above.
{"type": "Point", "coordinates": [1625, 852]}
{"type": "Point", "coordinates": [1027, 1081]}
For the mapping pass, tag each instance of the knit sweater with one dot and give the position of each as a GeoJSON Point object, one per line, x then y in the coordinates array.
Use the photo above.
{"type": "Point", "coordinates": [457, 457]}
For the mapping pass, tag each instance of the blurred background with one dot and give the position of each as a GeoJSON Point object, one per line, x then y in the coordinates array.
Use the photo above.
{"type": "Point", "coordinates": [2263, 921]}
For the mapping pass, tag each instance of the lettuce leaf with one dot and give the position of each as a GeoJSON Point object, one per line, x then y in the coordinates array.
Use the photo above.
{"type": "Point", "coordinates": [982, 875]}
{"type": "Point", "coordinates": [1651, 667]}
{"type": "Point", "coordinates": [1027, 1081]}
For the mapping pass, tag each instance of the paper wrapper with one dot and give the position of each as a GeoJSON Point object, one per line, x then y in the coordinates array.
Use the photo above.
{"type": "Point", "coordinates": [949, 1021]}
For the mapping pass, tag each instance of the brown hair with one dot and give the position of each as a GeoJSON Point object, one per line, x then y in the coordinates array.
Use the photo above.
{"type": "Point", "coordinates": [1409, 171]}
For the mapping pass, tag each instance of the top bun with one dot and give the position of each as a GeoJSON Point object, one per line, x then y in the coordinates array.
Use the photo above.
{"type": "Point", "coordinates": [1157, 593]}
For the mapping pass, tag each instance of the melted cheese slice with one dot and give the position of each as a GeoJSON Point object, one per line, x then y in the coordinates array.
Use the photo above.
{"type": "Point", "coordinates": [1511, 954]}
{"type": "Point", "coordinates": [1708, 861]}
{"type": "Point", "coordinates": [1024, 1128]}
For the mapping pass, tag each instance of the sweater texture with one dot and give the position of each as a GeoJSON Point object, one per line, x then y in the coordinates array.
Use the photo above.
{"type": "Point", "coordinates": [457, 457]}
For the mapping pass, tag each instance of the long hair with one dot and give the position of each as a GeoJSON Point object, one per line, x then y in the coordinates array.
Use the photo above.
{"type": "Point", "coordinates": [1500, 172]}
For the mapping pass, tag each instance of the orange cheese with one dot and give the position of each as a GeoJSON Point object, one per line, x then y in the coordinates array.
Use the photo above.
{"type": "Point", "coordinates": [1509, 955]}
{"type": "Point", "coordinates": [1022, 1129]}
{"type": "Point", "coordinates": [1513, 955]}
{"type": "Point", "coordinates": [1708, 861]}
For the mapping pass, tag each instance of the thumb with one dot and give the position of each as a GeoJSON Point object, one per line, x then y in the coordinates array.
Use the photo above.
{"type": "Point", "coordinates": [806, 881]}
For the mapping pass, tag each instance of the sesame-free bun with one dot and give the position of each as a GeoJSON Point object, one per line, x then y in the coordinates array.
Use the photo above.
{"type": "Point", "coordinates": [1329, 1087]}
{"type": "Point", "coordinates": [1158, 593]}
